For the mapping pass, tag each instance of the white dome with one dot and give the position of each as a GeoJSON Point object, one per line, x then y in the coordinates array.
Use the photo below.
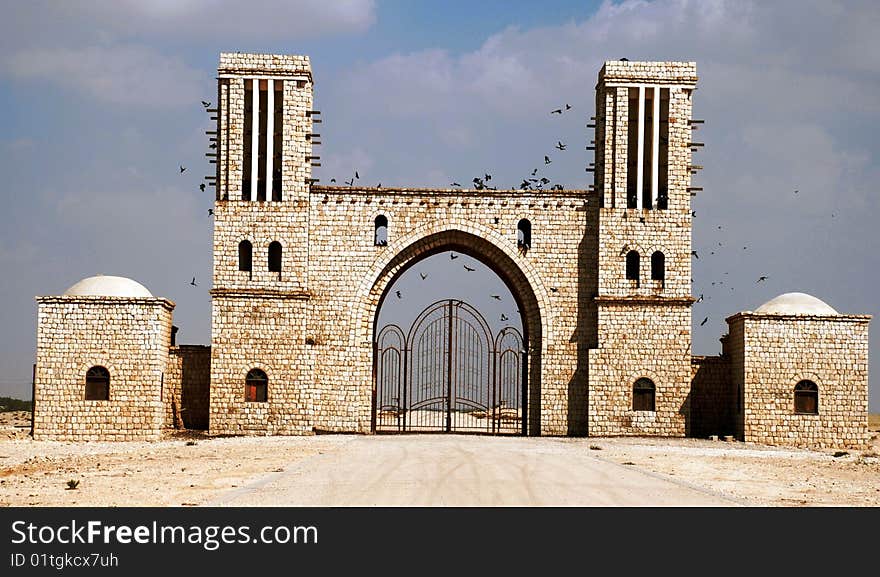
{"type": "Point", "coordinates": [108, 286]}
{"type": "Point", "coordinates": [796, 304]}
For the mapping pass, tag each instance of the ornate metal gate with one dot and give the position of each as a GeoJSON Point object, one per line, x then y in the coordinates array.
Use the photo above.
{"type": "Point", "coordinates": [449, 374]}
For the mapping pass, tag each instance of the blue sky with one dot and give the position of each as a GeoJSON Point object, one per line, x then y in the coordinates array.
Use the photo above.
{"type": "Point", "coordinates": [100, 103]}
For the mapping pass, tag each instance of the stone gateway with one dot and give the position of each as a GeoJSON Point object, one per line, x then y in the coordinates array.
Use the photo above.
{"type": "Point", "coordinates": [601, 278]}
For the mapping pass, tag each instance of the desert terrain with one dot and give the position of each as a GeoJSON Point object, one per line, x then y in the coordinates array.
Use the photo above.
{"type": "Point", "coordinates": [192, 469]}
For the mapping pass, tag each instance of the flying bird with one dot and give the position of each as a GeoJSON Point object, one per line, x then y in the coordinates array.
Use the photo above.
{"type": "Point", "coordinates": [624, 249]}
{"type": "Point", "coordinates": [206, 104]}
{"type": "Point", "coordinates": [193, 282]}
{"type": "Point", "coordinates": [557, 111]}
{"type": "Point", "coordinates": [568, 106]}
{"type": "Point", "coordinates": [503, 317]}
{"type": "Point", "coordinates": [356, 175]}
{"type": "Point", "coordinates": [398, 294]}
{"type": "Point", "coordinates": [534, 172]}
{"type": "Point", "coordinates": [202, 187]}
{"type": "Point", "coordinates": [704, 321]}
{"type": "Point", "coordinates": [553, 289]}
{"type": "Point", "coordinates": [496, 297]}
{"type": "Point", "coordinates": [546, 159]}
{"type": "Point", "coordinates": [762, 278]}
{"type": "Point", "coordinates": [210, 212]}
{"type": "Point", "coordinates": [699, 300]}
{"type": "Point", "coordinates": [559, 145]}
{"type": "Point", "coordinates": [455, 184]}
{"type": "Point", "coordinates": [350, 182]}
{"type": "Point", "coordinates": [332, 180]}
{"type": "Point", "coordinates": [182, 168]}
{"type": "Point", "coordinates": [694, 253]}
{"type": "Point", "coordinates": [469, 269]}
{"type": "Point", "coordinates": [452, 256]}
{"type": "Point", "coordinates": [423, 275]}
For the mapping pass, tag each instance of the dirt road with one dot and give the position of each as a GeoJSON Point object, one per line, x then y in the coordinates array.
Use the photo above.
{"type": "Point", "coordinates": [464, 471]}
{"type": "Point", "coordinates": [193, 470]}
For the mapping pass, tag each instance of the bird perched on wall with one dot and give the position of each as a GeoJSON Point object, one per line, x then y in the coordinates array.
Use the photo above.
{"type": "Point", "coordinates": [553, 289]}
{"type": "Point", "coordinates": [469, 269]}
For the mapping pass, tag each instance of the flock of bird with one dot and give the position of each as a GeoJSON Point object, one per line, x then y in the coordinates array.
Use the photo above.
{"type": "Point", "coordinates": [530, 182]}
{"type": "Point", "coordinates": [453, 256]}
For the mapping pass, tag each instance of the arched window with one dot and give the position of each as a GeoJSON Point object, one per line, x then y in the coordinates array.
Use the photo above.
{"type": "Point", "coordinates": [256, 386]}
{"type": "Point", "coordinates": [643, 395]}
{"type": "Point", "coordinates": [632, 265]}
{"type": "Point", "coordinates": [380, 236]}
{"type": "Point", "coordinates": [658, 266]}
{"type": "Point", "coordinates": [245, 255]}
{"type": "Point", "coordinates": [806, 398]}
{"type": "Point", "coordinates": [275, 257]}
{"type": "Point", "coordinates": [524, 235]}
{"type": "Point", "coordinates": [97, 384]}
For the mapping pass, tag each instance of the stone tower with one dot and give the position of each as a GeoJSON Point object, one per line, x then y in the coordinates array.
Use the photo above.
{"type": "Point", "coordinates": [642, 178]}
{"type": "Point", "coordinates": [264, 141]}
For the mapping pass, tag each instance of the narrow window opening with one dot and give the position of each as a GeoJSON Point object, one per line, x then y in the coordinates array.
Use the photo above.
{"type": "Point", "coordinates": [245, 256]}
{"type": "Point", "coordinates": [643, 395]}
{"type": "Point", "coordinates": [663, 156]}
{"type": "Point", "coordinates": [248, 140]}
{"type": "Point", "coordinates": [658, 266]}
{"type": "Point", "coordinates": [632, 265]}
{"type": "Point", "coordinates": [261, 155]}
{"type": "Point", "coordinates": [256, 386]}
{"type": "Point", "coordinates": [648, 148]}
{"type": "Point", "coordinates": [278, 140]}
{"type": "Point", "coordinates": [632, 148]}
{"type": "Point", "coordinates": [97, 384]}
{"type": "Point", "coordinates": [275, 258]}
{"type": "Point", "coordinates": [380, 231]}
{"type": "Point", "coordinates": [806, 398]}
{"type": "Point", "coordinates": [524, 235]}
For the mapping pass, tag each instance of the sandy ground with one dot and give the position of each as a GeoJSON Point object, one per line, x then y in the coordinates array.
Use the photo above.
{"type": "Point", "coordinates": [190, 469]}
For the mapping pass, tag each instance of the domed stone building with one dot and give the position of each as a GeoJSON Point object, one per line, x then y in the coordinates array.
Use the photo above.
{"type": "Point", "coordinates": [602, 278]}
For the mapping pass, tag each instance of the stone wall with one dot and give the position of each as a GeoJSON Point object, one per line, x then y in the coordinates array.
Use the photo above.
{"type": "Point", "coordinates": [264, 331]}
{"type": "Point", "coordinates": [127, 336]}
{"type": "Point", "coordinates": [713, 401]}
{"type": "Point", "coordinates": [640, 339]}
{"type": "Point", "coordinates": [778, 351]}
{"type": "Point", "coordinates": [186, 391]}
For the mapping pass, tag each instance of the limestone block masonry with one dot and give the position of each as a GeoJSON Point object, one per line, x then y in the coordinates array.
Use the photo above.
{"type": "Point", "coordinates": [604, 291]}
{"type": "Point", "coordinates": [127, 336]}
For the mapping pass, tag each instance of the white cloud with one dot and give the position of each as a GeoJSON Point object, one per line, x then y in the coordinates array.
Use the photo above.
{"type": "Point", "coordinates": [234, 21]}
{"type": "Point", "coordinates": [127, 75]}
